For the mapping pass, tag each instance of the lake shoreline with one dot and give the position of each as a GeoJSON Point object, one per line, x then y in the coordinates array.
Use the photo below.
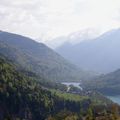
{"type": "Point", "coordinates": [115, 98]}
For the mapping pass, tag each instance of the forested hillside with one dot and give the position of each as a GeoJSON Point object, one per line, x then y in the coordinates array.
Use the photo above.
{"type": "Point", "coordinates": [27, 90]}
{"type": "Point", "coordinates": [23, 97]}
{"type": "Point", "coordinates": [38, 58]}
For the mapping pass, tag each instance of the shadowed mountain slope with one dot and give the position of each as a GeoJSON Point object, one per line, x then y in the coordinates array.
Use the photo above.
{"type": "Point", "coordinates": [38, 58]}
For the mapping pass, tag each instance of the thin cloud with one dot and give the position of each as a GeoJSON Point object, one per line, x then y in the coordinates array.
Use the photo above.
{"type": "Point", "coordinates": [53, 18]}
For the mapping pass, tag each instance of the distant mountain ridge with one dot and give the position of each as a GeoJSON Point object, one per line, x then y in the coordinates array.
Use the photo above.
{"type": "Point", "coordinates": [100, 54]}
{"type": "Point", "coordinates": [39, 58]}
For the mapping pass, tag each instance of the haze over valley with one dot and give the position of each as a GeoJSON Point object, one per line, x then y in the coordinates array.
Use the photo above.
{"type": "Point", "coordinates": [100, 54]}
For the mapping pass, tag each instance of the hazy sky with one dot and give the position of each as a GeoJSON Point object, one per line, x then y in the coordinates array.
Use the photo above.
{"type": "Point", "coordinates": [53, 18]}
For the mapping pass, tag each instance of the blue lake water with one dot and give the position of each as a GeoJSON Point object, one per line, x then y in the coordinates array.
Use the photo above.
{"type": "Point", "coordinates": [115, 99]}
